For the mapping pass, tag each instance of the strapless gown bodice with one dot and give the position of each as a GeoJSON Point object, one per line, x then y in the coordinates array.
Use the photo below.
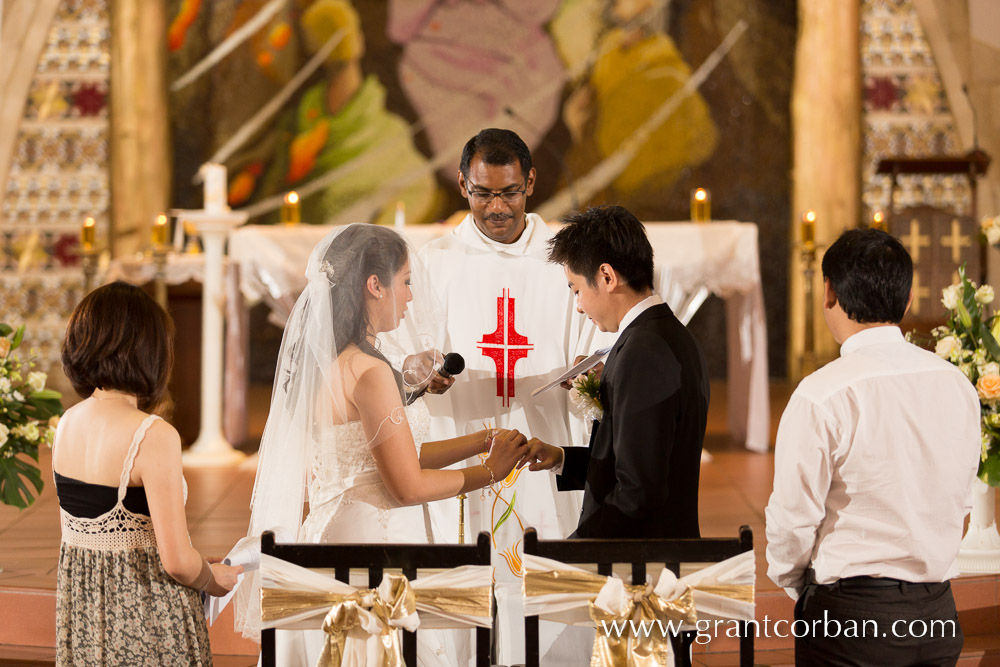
{"type": "Point", "coordinates": [348, 504]}
{"type": "Point", "coordinates": [348, 501]}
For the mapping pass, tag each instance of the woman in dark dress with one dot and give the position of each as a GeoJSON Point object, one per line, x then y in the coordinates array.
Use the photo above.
{"type": "Point", "coordinates": [129, 581]}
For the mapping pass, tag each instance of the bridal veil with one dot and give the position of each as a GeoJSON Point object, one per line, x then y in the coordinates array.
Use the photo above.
{"type": "Point", "coordinates": [308, 397]}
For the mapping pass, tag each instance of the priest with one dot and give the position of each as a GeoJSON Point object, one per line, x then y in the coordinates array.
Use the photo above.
{"type": "Point", "coordinates": [511, 316]}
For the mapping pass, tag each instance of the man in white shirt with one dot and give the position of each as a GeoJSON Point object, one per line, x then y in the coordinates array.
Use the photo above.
{"type": "Point", "coordinates": [874, 461]}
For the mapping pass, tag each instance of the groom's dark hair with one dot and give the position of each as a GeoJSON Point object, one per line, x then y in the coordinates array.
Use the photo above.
{"type": "Point", "coordinates": [605, 235]}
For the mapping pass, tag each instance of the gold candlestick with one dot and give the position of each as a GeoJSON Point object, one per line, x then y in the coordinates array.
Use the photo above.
{"type": "Point", "coordinates": [88, 234]}
{"type": "Point", "coordinates": [808, 255]}
{"type": "Point", "coordinates": [291, 213]}
{"type": "Point", "coordinates": [161, 231]}
{"type": "Point", "coordinates": [701, 205]}
{"type": "Point", "coordinates": [160, 277]}
{"type": "Point", "coordinates": [88, 253]}
{"type": "Point", "coordinates": [808, 229]}
{"type": "Point", "coordinates": [878, 221]}
{"type": "Point", "coordinates": [461, 518]}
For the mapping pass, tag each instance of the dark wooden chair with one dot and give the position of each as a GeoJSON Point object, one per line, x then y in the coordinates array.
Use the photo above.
{"type": "Point", "coordinates": [605, 553]}
{"type": "Point", "coordinates": [376, 558]}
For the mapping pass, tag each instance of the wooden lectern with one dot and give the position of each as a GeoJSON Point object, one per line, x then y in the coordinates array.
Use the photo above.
{"type": "Point", "coordinates": [972, 166]}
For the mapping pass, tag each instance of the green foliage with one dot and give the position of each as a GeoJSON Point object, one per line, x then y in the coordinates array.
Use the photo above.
{"type": "Point", "coordinates": [969, 340]}
{"type": "Point", "coordinates": [27, 410]}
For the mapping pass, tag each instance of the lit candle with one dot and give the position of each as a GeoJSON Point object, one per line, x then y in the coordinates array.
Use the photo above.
{"type": "Point", "coordinates": [809, 228]}
{"type": "Point", "coordinates": [88, 234]}
{"type": "Point", "coordinates": [290, 210]}
{"type": "Point", "coordinates": [878, 220]}
{"type": "Point", "coordinates": [214, 178]}
{"type": "Point", "coordinates": [399, 222]}
{"type": "Point", "coordinates": [160, 231]}
{"type": "Point", "coordinates": [701, 205]}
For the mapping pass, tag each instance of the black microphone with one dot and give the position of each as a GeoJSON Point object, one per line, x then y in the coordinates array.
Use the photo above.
{"type": "Point", "coordinates": [452, 365]}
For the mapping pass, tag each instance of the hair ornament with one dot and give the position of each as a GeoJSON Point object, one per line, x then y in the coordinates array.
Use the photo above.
{"type": "Point", "coordinates": [327, 268]}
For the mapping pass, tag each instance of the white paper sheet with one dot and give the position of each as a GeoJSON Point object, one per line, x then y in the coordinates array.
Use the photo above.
{"type": "Point", "coordinates": [579, 368]}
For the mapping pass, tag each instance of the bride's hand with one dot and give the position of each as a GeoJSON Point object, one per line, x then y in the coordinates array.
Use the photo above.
{"type": "Point", "coordinates": [509, 447]}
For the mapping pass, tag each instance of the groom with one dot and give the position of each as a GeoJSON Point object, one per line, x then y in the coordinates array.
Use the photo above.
{"type": "Point", "coordinates": [640, 475]}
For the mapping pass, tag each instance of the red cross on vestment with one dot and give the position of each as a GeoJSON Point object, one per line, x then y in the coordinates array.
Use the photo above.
{"type": "Point", "coordinates": [505, 346]}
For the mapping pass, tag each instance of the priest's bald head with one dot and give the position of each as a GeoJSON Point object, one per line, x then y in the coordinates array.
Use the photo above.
{"type": "Point", "coordinates": [496, 176]}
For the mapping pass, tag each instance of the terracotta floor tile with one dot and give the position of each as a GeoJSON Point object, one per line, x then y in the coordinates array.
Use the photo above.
{"type": "Point", "coordinates": [735, 487]}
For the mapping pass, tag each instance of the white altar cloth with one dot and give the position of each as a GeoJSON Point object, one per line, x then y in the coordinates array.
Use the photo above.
{"type": "Point", "coordinates": [720, 257]}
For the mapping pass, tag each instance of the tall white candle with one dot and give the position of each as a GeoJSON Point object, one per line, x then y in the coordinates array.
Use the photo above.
{"type": "Point", "coordinates": [214, 178]}
{"type": "Point", "coordinates": [400, 219]}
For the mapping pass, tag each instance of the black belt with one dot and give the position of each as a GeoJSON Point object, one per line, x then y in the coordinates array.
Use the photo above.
{"type": "Point", "coordinates": [870, 582]}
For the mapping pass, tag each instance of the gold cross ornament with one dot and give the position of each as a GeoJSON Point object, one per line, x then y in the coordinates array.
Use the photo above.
{"type": "Point", "coordinates": [919, 292]}
{"type": "Point", "coordinates": [956, 241]}
{"type": "Point", "coordinates": [915, 240]}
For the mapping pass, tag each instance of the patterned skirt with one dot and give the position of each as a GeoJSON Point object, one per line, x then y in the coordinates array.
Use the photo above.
{"type": "Point", "coordinates": [120, 607]}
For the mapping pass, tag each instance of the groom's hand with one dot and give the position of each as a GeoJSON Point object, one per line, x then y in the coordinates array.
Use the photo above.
{"type": "Point", "coordinates": [598, 369]}
{"type": "Point", "coordinates": [542, 456]}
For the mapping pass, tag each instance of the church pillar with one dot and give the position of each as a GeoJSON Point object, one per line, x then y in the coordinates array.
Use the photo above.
{"type": "Point", "coordinates": [23, 29]}
{"type": "Point", "coordinates": [140, 148]}
{"type": "Point", "coordinates": [826, 149]}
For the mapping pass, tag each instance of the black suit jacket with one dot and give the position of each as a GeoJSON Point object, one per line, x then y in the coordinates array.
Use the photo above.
{"type": "Point", "coordinates": [640, 472]}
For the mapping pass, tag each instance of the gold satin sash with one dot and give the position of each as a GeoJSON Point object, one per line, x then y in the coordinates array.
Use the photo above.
{"type": "Point", "coordinates": [645, 606]}
{"type": "Point", "coordinates": [347, 612]}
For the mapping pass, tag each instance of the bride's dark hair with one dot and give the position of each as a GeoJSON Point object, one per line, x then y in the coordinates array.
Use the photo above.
{"type": "Point", "coordinates": [358, 252]}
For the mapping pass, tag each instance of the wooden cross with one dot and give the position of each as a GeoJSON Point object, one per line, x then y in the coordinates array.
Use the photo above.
{"type": "Point", "coordinates": [914, 240]}
{"type": "Point", "coordinates": [919, 292]}
{"type": "Point", "coordinates": [956, 241]}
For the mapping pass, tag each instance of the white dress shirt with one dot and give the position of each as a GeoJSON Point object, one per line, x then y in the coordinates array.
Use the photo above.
{"type": "Point", "coordinates": [873, 466]}
{"type": "Point", "coordinates": [638, 309]}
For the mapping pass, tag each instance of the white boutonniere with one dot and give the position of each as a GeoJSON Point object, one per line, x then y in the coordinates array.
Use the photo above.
{"type": "Point", "coordinates": [585, 397]}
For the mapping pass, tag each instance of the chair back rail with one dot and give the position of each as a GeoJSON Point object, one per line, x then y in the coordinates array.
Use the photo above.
{"type": "Point", "coordinates": [376, 558]}
{"type": "Point", "coordinates": [606, 553]}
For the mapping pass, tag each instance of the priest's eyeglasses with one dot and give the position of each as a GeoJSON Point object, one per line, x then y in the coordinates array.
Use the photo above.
{"type": "Point", "coordinates": [485, 197]}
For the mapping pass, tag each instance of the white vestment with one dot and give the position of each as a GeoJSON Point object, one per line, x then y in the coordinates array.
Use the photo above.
{"type": "Point", "coordinates": [512, 317]}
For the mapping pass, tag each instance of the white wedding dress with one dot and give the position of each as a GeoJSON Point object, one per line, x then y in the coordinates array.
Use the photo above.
{"type": "Point", "coordinates": [348, 503]}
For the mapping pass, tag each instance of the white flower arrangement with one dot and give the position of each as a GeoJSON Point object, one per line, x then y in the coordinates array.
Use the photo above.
{"type": "Point", "coordinates": [28, 416]}
{"type": "Point", "coordinates": [990, 229]}
{"type": "Point", "coordinates": [969, 340]}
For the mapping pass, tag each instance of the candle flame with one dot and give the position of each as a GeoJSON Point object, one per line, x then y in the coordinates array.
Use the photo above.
{"type": "Point", "coordinates": [810, 216]}
{"type": "Point", "coordinates": [699, 194]}
{"type": "Point", "coordinates": [292, 197]}
{"type": "Point", "coordinates": [878, 217]}
{"type": "Point", "coordinates": [161, 219]}
{"type": "Point", "coordinates": [89, 222]}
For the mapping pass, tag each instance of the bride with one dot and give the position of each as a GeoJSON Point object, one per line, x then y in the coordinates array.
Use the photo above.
{"type": "Point", "coordinates": [339, 434]}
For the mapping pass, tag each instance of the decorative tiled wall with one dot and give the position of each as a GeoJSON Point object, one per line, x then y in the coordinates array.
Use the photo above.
{"type": "Point", "coordinates": [58, 176]}
{"type": "Point", "coordinates": [906, 112]}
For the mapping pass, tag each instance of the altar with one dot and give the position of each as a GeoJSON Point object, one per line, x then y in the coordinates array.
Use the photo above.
{"type": "Point", "coordinates": [693, 260]}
